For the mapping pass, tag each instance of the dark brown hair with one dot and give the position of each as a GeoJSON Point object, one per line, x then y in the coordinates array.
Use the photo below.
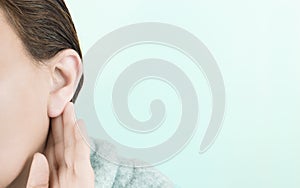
{"type": "Point", "coordinates": [45, 28]}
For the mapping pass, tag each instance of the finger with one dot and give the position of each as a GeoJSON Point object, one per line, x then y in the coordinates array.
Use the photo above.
{"type": "Point", "coordinates": [53, 166]}
{"type": "Point", "coordinates": [49, 152]}
{"type": "Point", "coordinates": [82, 152]}
{"type": "Point", "coordinates": [82, 148]}
{"type": "Point", "coordinates": [69, 120]}
{"type": "Point", "coordinates": [58, 139]}
{"type": "Point", "coordinates": [39, 172]}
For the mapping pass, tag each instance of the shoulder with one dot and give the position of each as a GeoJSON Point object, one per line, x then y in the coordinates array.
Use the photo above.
{"type": "Point", "coordinates": [108, 174]}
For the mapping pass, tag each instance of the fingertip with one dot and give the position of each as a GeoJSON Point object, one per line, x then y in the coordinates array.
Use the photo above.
{"type": "Point", "coordinates": [40, 160]}
{"type": "Point", "coordinates": [70, 110]}
{"type": "Point", "coordinates": [69, 106]}
{"type": "Point", "coordinates": [39, 171]}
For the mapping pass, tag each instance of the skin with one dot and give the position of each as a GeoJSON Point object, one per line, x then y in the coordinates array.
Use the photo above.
{"type": "Point", "coordinates": [37, 119]}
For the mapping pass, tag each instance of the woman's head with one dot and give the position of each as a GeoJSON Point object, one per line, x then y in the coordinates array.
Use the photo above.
{"type": "Point", "coordinates": [45, 28]}
{"type": "Point", "coordinates": [40, 72]}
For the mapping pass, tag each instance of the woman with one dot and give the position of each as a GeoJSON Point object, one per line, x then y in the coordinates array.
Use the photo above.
{"type": "Point", "coordinates": [40, 73]}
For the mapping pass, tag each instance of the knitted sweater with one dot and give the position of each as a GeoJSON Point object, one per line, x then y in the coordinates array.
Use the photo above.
{"type": "Point", "coordinates": [110, 175]}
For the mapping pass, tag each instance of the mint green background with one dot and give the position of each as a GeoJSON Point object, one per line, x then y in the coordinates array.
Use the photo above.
{"type": "Point", "coordinates": [256, 44]}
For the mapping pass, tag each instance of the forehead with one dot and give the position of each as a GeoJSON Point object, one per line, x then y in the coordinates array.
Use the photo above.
{"type": "Point", "coordinates": [4, 24]}
{"type": "Point", "coordinates": [12, 51]}
{"type": "Point", "coordinates": [8, 37]}
{"type": "Point", "coordinates": [2, 18]}
{"type": "Point", "coordinates": [6, 31]}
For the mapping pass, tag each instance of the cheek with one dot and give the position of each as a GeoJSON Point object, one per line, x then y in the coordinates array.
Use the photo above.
{"type": "Point", "coordinates": [23, 124]}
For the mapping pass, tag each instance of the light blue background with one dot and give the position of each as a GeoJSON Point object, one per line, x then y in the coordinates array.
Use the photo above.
{"type": "Point", "coordinates": [256, 45]}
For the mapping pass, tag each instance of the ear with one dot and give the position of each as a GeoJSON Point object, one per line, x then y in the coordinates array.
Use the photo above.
{"type": "Point", "coordinates": [65, 72]}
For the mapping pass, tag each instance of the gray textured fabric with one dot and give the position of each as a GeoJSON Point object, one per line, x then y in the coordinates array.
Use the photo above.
{"type": "Point", "coordinates": [110, 175]}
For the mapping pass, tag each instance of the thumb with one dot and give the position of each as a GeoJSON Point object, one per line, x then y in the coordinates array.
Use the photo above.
{"type": "Point", "coordinates": [39, 172]}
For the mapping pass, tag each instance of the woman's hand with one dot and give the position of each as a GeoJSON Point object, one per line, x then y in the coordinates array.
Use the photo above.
{"type": "Point", "coordinates": [66, 162]}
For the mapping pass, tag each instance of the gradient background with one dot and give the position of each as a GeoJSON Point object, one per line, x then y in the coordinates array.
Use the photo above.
{"type": "Point", "coordinates": [256, 45]}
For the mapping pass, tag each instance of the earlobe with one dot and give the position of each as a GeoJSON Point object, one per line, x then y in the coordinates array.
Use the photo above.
{"type": "Point", "coordinates": [57, 102]}
{"type": "Point", "coordinates": [66, 70]}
